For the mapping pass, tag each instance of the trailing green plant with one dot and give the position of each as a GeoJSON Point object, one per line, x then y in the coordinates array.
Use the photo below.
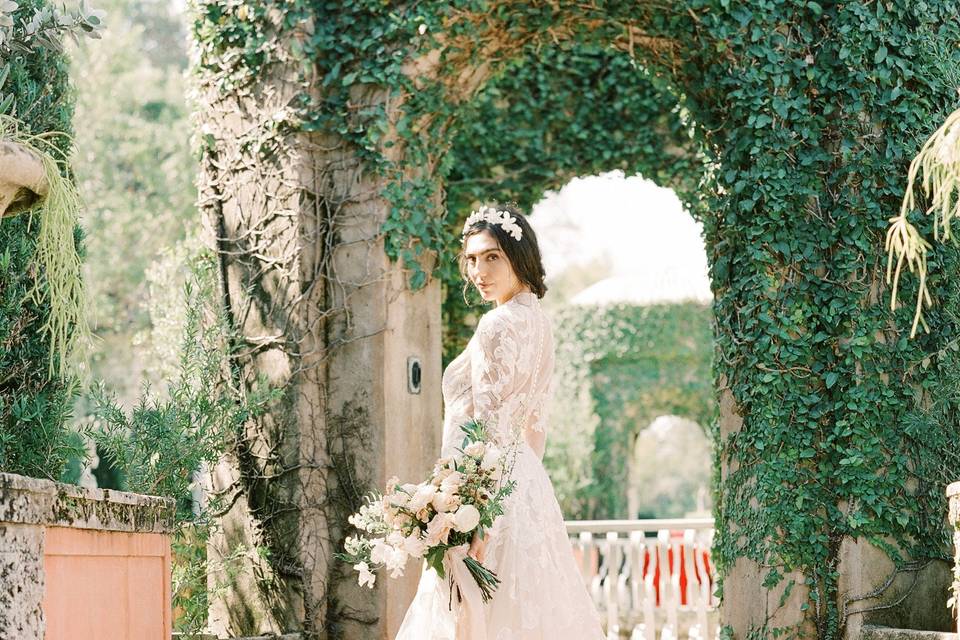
{"type": "Point", "coordinates": [35, 438]}
{"type": "Point", "coordinates": [58, 260]}
{"type": "Point", "coordinates": [939, 164]}
{"type": "Point", "coordinates": [57, 253]}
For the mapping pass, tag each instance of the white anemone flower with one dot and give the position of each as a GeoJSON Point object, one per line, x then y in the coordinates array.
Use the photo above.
{"type": "Point", "coordinates": [366, 576]}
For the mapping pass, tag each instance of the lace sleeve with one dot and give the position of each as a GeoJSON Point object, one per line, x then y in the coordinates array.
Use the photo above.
{"type": "Point", "coordinates": [494, 371]}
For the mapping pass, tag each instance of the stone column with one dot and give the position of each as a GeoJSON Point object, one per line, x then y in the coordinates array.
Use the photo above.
{"type": "Point", "coordinates": [321, 314]}
{"type": "Point", "coordinates": [747, 603]}
{"type": "Point", "coordinates": [953, 495]}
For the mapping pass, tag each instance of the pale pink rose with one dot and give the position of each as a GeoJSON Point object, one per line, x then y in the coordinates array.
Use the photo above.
{"type": "Point", "coordinates": [475, 449]}
{"type": "Point", "coordinates": [491, 458]}
{"type": "Point", "coordinates": [414, 545]}
{"type": "Point", "coordinates": [395, 561]}
{"type": "Point", "coordinates": [439, 529]}
{"type": "Point", "coordinates": [390, 517]}
{"type": "Point", "coordinates": [422, 497]}
{"type": "Point", "coordinates": [395, 539]}
{"type": "Point", "coordinates": [452, 482]}
{"type": "Point", "coordinates": [443, 501]}
{"type": "Point", "coordinates": [379, 551]}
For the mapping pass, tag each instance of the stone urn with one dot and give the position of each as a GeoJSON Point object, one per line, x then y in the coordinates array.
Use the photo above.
{"type": "Point", "coordinates": [22, 178]}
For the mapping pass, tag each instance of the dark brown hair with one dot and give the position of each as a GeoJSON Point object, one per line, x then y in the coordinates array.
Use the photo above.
{"type": "Point", "coordinates": [523, 254]}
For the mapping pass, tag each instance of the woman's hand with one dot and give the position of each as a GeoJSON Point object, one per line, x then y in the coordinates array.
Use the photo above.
{"type": "Point", "coordinates": [478, 547]}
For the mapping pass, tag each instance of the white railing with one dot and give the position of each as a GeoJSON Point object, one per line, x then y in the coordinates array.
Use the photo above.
{"type": "Point", "coordinates": [650, 579]}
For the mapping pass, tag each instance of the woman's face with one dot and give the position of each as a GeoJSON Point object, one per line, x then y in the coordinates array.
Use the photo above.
{"type": "Point", "coordinates": [489, 268]}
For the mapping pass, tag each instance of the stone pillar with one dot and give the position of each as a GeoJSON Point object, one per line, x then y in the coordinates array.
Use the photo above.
{"type": "Point", "coordinates": [747, 604]}
{"type": "Point", "coordinates": [953, 495]}
{"type": "Point", "coordinates": [369, 382]}
{"type": "Point", "coordinates": [323, 315]}
{"type": "Point", "coordinates": [83, 563]}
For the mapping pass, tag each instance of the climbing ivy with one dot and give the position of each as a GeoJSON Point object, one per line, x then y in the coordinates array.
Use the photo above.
{"type": "Point", "coordinates": [847, 425]}
{"type": "Point", "coordinates": [794, 120]}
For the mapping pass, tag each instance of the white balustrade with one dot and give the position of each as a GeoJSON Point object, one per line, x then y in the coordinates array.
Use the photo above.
{"type": "Point", "coordinates": [619, 561]}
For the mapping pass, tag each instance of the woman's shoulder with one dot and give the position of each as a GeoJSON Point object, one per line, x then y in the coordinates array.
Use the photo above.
{"type": "Point", "coordinates": [511, 316]}
{"type": "Point", "coordinates": [494, 321]}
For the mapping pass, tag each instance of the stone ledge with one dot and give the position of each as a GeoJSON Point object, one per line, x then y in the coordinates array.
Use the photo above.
{"type": "Point", "coordinates": [55, 504]}
{"type": "Point", "coordinates": [871, 632]}
{"type": "Point", "coordinates": [193, 636]}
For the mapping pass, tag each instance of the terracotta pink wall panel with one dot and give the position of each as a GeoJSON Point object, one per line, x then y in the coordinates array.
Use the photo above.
{"type": "Point", "coordinates": [106, 585]}
{"type": "Point", "coordinates": [147, 579]}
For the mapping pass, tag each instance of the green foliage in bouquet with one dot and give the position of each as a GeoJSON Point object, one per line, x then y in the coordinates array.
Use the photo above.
{"type": "Point", "coordinates": [477, 431]}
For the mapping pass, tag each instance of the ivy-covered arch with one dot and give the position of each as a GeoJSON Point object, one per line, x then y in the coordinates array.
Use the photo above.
{"type": "Point", "coordinates": [530, 130]}
{"type": "Point", "coordinates": [835, 429]}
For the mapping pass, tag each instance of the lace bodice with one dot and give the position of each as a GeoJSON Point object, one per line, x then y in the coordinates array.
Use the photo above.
{"type": "Point", "coordinates": [504, 376]}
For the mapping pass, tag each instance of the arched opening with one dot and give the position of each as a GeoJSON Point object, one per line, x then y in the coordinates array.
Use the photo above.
{"type": "Point", "coordinates": [670, 470]}
{"type": "Point", "coordinates": [624, 354]}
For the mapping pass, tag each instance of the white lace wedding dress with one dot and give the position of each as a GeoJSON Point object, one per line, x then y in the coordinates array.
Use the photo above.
{"type": "Point", "coordinates": [504, 378]}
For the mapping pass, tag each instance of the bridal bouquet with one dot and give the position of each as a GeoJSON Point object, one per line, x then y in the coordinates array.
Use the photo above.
{"type": "Point", "coordinates": [462, 497]}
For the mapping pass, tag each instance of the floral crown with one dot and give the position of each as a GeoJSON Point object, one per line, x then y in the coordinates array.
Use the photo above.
{"type": "Point", "coordinates": [491, 216]}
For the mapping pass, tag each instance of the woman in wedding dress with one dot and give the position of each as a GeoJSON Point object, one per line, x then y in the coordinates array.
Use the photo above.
{"type": "Point", "coordinates": [503, 377]}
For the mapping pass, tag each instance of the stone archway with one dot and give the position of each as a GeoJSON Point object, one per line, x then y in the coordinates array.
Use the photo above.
{"type": "Point", "coordinates": [669, 474]}
{"type": "Point", "coordinates": [305, 216]}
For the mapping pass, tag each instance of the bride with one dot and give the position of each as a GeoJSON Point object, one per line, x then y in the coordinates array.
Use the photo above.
{"type": "Point", "coordinates": [503, 377]}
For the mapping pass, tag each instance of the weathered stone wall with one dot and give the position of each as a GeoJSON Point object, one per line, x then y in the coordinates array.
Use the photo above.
{"type": "Point", "coordinates": [873, 591]}
{"type": "Point", "coordinates": [29, 507]}
{"type": "Point", "coordinates": [953, 495]}
{"type": "Point", "coordinates": [872, 632]}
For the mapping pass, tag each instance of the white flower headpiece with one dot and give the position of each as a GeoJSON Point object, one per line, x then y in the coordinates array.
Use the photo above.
{"type": "Point", "coordinates": [491, 216]}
